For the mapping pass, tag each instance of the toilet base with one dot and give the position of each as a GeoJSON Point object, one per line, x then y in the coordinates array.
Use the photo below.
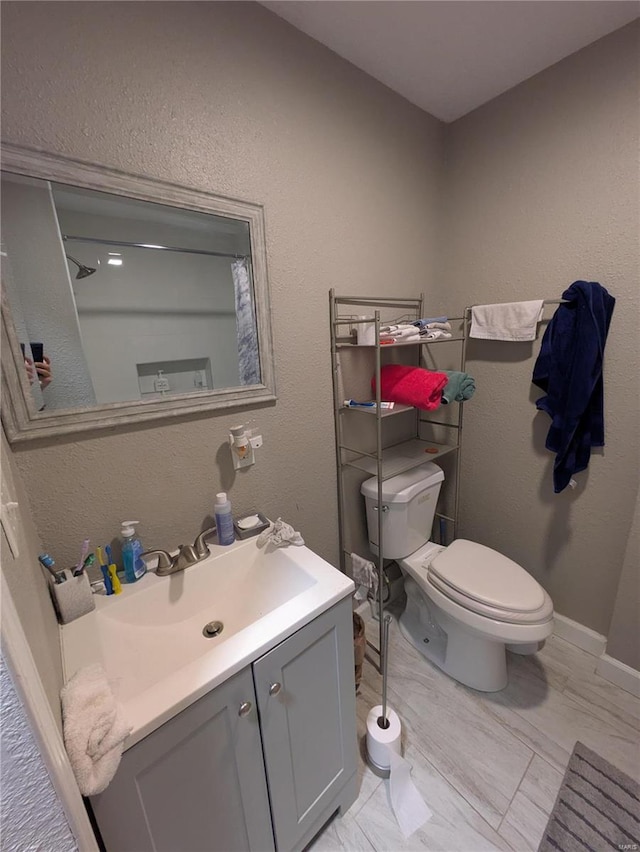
{"type": "Point", "coordinates": [469, 658]}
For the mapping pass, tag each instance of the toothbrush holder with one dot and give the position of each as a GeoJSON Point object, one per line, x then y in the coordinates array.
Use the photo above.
{"type": "Point", "coordinates": [72, 598]}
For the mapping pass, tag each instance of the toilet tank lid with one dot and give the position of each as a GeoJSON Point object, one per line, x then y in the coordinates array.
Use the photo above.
{"type": "Point", "coordinates": [405, 486]}
{"type": "Point", "coordinates": [487, 576]}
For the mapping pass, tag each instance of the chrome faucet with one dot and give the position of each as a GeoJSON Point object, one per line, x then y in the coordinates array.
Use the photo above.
{"type": "Point", "coordinates": [188, 554]}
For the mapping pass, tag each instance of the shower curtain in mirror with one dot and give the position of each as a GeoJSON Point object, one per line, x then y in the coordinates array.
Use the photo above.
{"type": "Point", "coordinates": [248, 357]}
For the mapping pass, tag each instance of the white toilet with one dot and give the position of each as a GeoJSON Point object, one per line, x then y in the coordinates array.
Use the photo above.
{"type": "Point", "coordinates": [466, 603]}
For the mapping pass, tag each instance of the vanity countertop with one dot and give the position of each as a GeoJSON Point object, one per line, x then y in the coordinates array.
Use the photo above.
{"type": "Point", "coordinates": [150, 640]}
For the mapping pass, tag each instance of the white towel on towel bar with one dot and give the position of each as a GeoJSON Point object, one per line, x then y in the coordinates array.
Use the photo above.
{"type": "Point", "coordinates": [506, 321]}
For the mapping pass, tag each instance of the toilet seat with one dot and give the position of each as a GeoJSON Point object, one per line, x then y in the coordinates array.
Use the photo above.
{"type": "Point", "coordinates": [482, 581]}
{"type": "Point", "coordinates": [482, 577]}
{"type": "Point", "coordinates": [511, 616]}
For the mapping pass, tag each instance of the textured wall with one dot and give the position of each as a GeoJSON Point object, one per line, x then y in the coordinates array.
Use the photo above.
{"type": "Point", "coordinates": [623, 641]}
{"type": "Point", "coordinates": [543, 190]}
{"type": "Point", "coordinates": [30, 811]}
{"type": "Point", "coordinates": [28, 585]}
{"type": "Point", "coordinates": [228, 98]}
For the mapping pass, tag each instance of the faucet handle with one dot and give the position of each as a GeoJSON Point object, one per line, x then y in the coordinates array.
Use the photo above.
{"type": "Point", "coordinates": [164, 559]}
{"type": "Point", "coordinates": [200, 547]}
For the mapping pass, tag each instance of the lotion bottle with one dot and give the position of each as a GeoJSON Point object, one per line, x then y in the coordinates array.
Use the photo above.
{"type": "Point", "coordinates": [134, 566]}
{"type": "Point", "coordinates": [224, 519]}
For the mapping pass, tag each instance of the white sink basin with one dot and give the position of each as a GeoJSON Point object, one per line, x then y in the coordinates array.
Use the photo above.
{"type": "Point", "coordinates": [150, 638]}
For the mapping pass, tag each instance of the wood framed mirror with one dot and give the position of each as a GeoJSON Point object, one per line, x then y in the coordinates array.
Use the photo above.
{"type": "Point", "coordinates": [144, 299]}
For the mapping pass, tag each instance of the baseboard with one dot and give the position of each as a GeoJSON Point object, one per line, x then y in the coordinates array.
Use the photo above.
{"type": "Point", "coordinates": [619, 674]}
{"type": "Point", "coordinates": [577, 634]}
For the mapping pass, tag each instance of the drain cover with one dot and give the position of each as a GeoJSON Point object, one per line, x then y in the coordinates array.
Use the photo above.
{"type": "Point", "coordinates": [213, 628]}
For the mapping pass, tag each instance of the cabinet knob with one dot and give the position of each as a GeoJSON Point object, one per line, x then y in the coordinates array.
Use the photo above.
{"type": "Point", "coordinates": [245, 708]}
{"type": "Point", "coordinates": [275, 688]}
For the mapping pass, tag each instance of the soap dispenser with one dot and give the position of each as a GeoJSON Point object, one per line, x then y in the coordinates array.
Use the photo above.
{"type": "Point", "coordinates": [134, 566]}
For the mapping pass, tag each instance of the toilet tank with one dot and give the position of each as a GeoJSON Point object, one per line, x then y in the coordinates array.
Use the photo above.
{"type": "Point", "coordinates": [409, 504]}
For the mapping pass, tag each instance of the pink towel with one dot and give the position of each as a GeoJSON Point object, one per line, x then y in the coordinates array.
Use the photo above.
{"type": "Point", "coordinates": [411, 386]}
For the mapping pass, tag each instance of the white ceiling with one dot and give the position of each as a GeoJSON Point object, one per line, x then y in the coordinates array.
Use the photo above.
{"type": "Point", "coordinates": [450, 56]}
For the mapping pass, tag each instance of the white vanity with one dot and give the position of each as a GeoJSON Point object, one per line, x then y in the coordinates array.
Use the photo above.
{"type": "Point", "coordinates": [242, 741]}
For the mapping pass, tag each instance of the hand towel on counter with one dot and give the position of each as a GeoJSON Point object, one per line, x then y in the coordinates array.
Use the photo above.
{"type": "Point", "coordinates": [569, 370]}
{"type": "Point", "coordinates": [411, 386]}
{"type": "Point", "coordinates": [94, 729]}
{"type": "Point", "coordinates": [460, 386]}
{"type": "Point", "coordinates": [280, 534]}
{"type": "Point", "coordinates": [511, 321]}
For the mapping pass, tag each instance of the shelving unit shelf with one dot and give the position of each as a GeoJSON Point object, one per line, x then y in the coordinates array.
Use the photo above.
{"type": "Point", "coordinates": [388, 458]}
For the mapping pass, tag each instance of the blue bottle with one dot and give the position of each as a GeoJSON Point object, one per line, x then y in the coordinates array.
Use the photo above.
{"type": "Point", "coordinates": [224, 519]}
{"type": "Point", "coordinates": [134, 566]}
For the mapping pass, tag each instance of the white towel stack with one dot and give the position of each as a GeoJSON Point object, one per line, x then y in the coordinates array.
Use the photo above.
{"type": "Point", "coordinates": [94, 729]}
{"type": "Point", "coordinates": [435, 330]}
{"type": "Point", "coordinates": [511, 321]}
{"type": "Point", "coordinates": [402, 333]}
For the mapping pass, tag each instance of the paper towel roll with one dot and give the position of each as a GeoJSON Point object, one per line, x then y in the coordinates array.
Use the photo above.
{"type": "Point", "coordinates": [382, 740]}
{"type": "Point", "coordinates": [366, 333]}
{"type": "Point", "coordinates": [383, 746]}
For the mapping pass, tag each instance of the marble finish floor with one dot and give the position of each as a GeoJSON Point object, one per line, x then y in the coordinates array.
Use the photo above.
{"type": "Point", "coordinates": [489, 765]}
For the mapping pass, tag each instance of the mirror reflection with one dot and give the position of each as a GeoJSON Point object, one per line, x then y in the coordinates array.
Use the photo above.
{"type": "Point", "coordinates": [116, 299]}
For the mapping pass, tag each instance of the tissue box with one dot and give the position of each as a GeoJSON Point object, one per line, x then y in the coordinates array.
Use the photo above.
{"type": "Point", "coordinates": [72, 598]}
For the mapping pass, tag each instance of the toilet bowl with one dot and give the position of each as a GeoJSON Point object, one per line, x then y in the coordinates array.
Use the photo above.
{"type": "Point", "coordinates": [466, 603]}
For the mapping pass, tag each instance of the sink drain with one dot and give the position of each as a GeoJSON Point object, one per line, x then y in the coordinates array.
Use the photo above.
{"type": "Point", "coordinates": [213, 628]}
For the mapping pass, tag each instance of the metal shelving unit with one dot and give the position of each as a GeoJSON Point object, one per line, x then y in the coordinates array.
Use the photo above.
{"type": "Point", "coordinates": [387, 461]}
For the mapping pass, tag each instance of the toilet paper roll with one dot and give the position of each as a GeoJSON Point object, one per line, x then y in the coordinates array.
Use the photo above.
{"type": "Point", "coordinates": [383, 746]}
{"type": "Point", "coordinates": [382, 741]}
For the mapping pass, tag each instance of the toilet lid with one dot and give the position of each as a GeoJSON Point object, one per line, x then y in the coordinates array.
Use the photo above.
{"type": "Point", "coordinates": [486, 576]}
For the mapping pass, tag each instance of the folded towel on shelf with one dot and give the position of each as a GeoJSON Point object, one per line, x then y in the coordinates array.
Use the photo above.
{"type": "Point", "coordinates": [511, 321]}
{"type": "Point", "coordinates": [427, 320]}
{"type": "Point", "coordinates": [434, 334]}
{"type": "Point", "coordinates": [411, 386]}
{"type": "Point", "coordinates": [460, 386]}
{"type": "Point", "coordinates": [280, 534]}
{"type": "Point", "coordinates": [94, 728]}
{"type": "Point", "coordinates": [443, 326]}
{"type": "Point", "coordinates": [400, 331]}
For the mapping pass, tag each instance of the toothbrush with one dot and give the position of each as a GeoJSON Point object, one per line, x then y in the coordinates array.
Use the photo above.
{"type": "Point", "coordinates": [352, 403]}
{"type": "Point", "coordinates": [47, 562]}
{"type": "Point", "coordinates": [83, 555]}
{"type": "Point", "coordinates": [88, 562]}
{"type": "Point", "coordinates": [113, 571]}
{"type": "Point", "coordinates": [105, 572]}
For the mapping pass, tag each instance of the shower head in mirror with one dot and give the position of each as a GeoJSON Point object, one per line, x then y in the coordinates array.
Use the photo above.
{"type": "Point", "coordinates": [83, 271]}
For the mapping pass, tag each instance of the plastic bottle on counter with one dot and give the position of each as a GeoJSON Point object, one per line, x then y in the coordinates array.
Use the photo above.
{"type": "Point", "coordinates": [134, 566]}
{"type": "Point", "coordinates": [224, 519]}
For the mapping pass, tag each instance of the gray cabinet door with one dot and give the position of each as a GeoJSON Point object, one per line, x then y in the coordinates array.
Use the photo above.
{"type": "Point", "coordinates": [197, 784]}
{"type": "Point", "coordinates": [308, 725]}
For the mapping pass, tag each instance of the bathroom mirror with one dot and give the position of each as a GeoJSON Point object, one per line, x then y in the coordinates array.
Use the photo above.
{"type": "Point", "coordinates": [144, 299]}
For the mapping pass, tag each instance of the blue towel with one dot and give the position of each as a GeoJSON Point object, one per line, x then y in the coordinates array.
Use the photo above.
{"type": "Point", "coordinates": [421, 323]}
{"type": "Point", "coordinates": [460, 386]}
{"type": "Point", "coordinates": [569, 370]}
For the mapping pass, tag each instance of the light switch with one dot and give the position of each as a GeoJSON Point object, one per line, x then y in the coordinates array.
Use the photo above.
{"type": "Point", "coordinates": [10, 524]}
